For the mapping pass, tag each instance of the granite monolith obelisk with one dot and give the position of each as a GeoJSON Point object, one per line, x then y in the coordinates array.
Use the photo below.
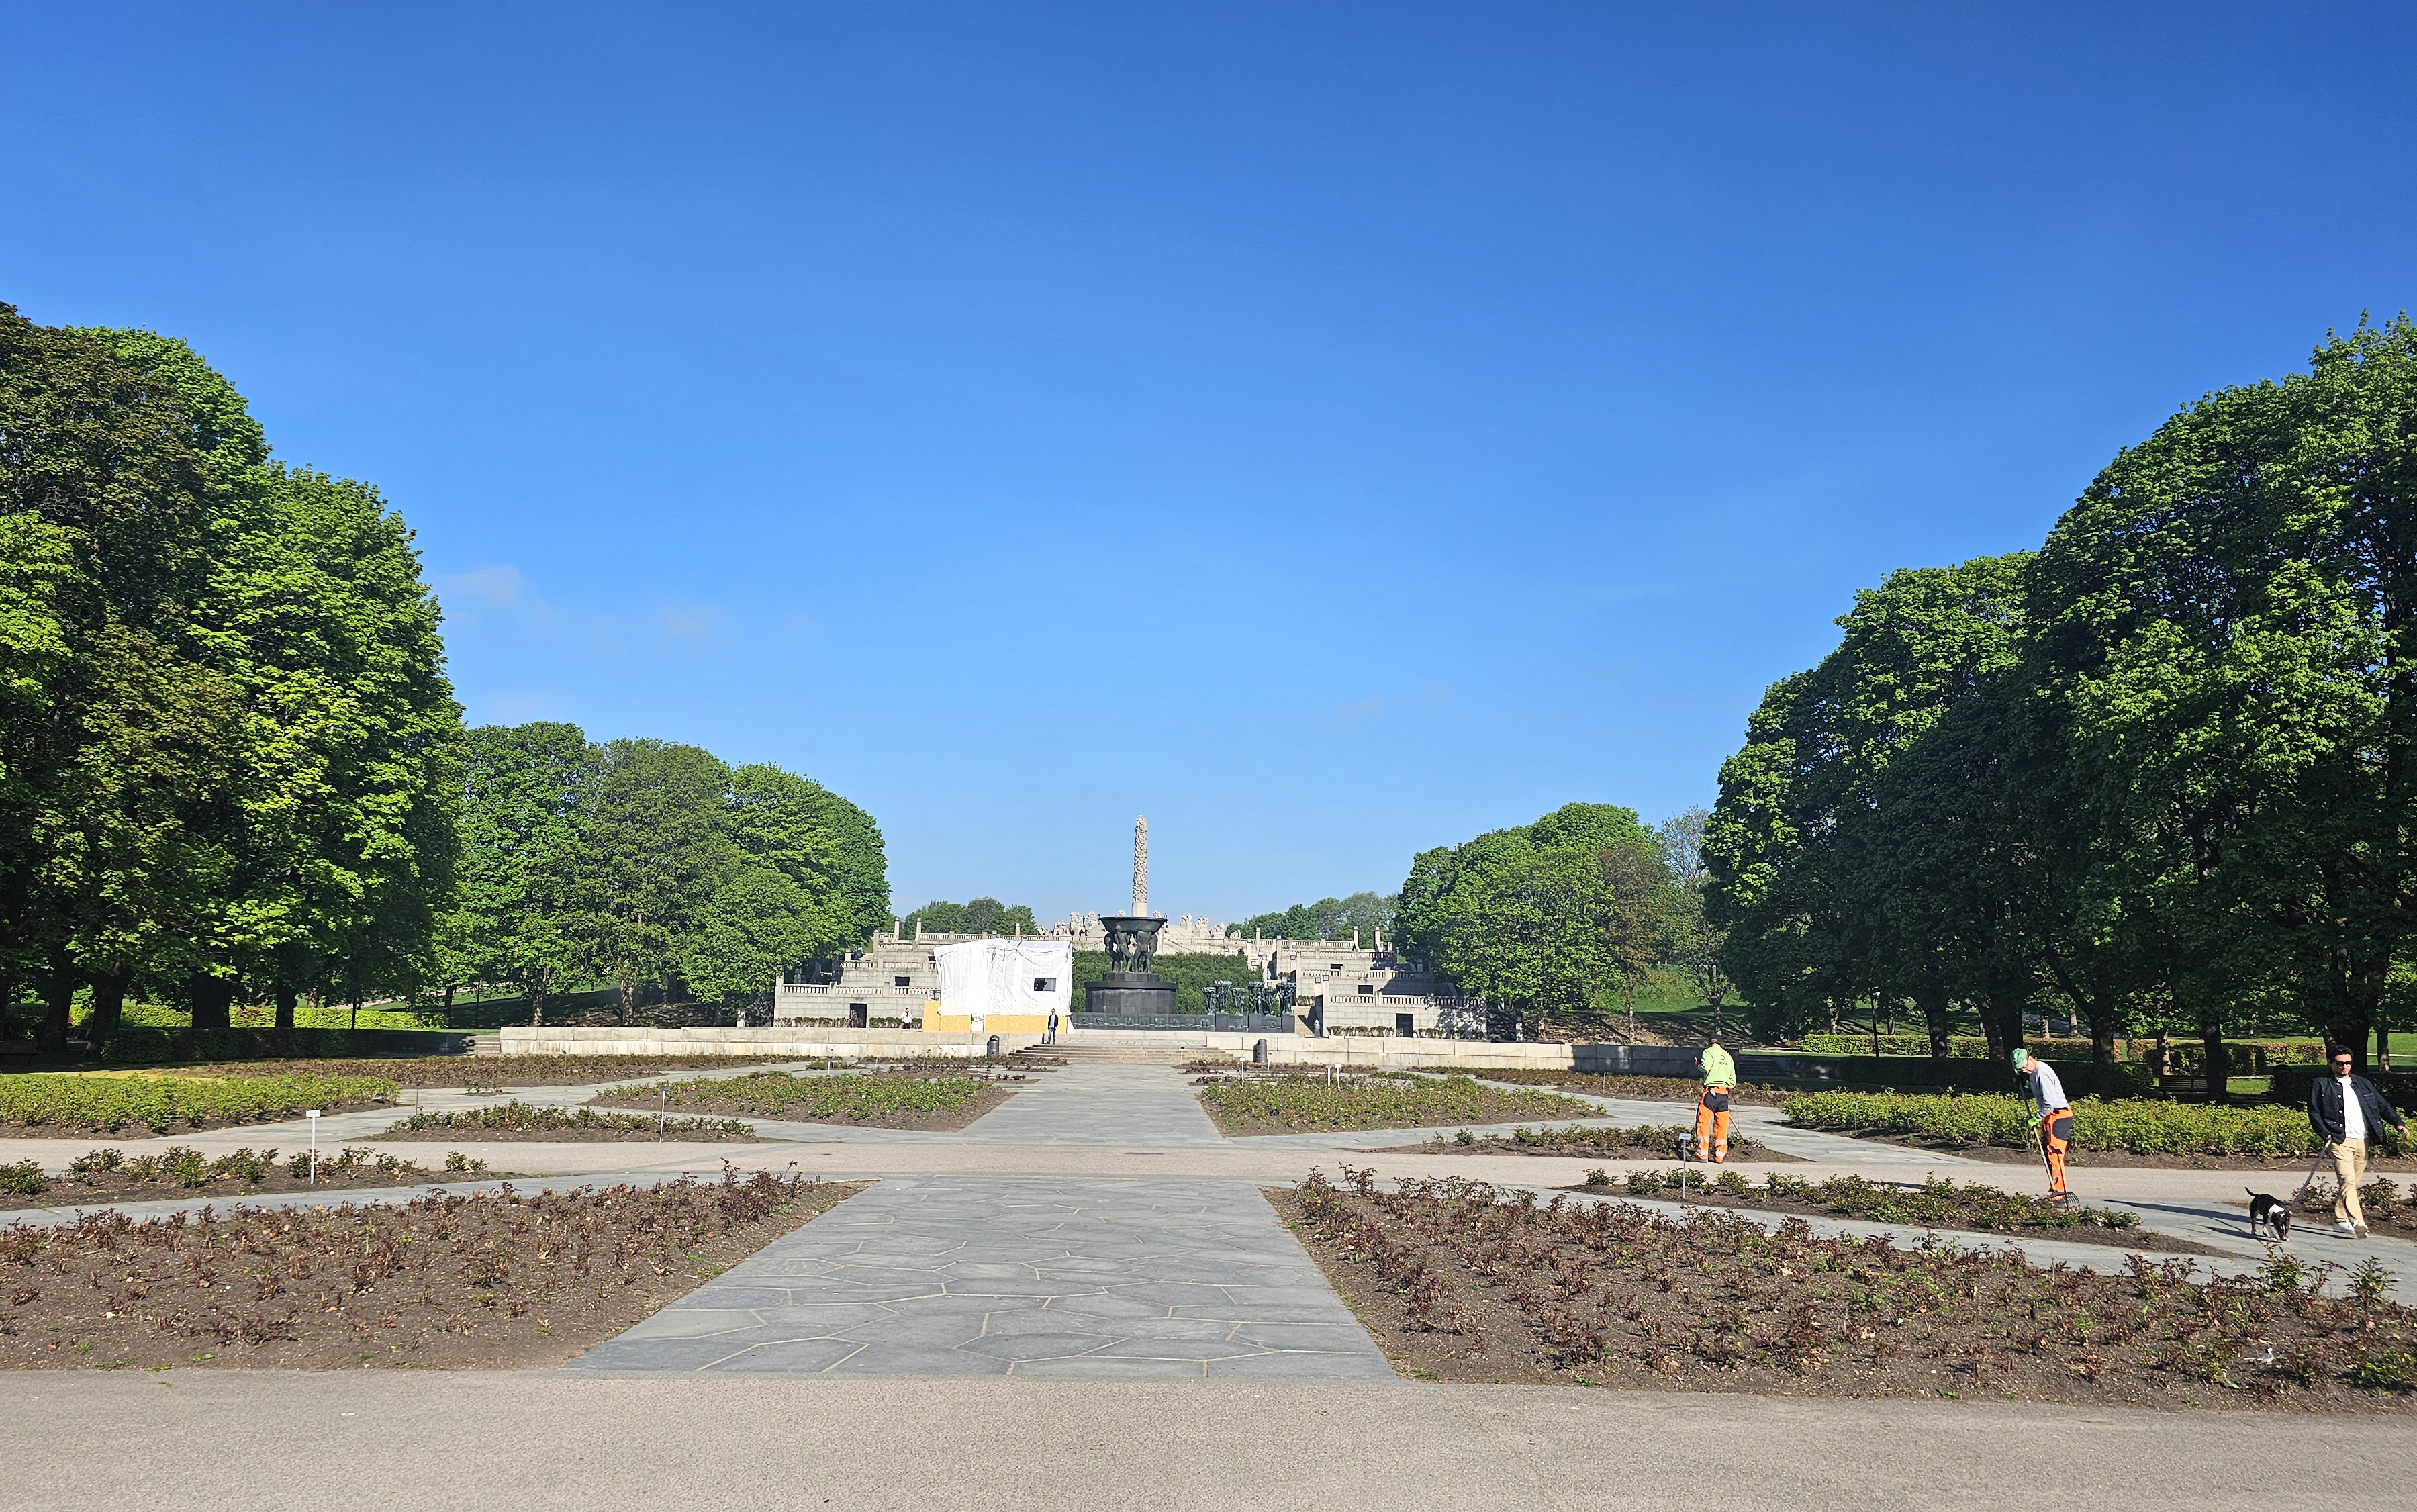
{"type": "Point", "coordinates": [1129, 986]}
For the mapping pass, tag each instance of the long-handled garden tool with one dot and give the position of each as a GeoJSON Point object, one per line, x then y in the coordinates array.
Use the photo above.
{"type": "Point", "coordinates": [2310, 1180]}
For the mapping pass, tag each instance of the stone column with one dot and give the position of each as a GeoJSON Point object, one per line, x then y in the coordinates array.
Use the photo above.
{"type": "Point", "coordinates": [1141, 866]}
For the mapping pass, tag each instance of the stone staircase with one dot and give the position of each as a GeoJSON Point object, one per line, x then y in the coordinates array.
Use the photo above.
{"type": "Point", "coordinates": [1123, 1054]}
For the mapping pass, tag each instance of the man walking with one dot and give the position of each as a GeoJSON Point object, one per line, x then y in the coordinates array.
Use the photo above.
{"type": "Point", "coordinates": [2345, 1109]}
{"type": "Point", "coordinates": [1712, 1106]}
{"type": "Point", "coordinates": [2054, 1120]}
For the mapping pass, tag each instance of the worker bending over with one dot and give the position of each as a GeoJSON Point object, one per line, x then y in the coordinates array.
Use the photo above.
{"type": "Point", "coordinates": [2054, 1120]}
{"type": "Point", "coordinates": [1712, 1107]}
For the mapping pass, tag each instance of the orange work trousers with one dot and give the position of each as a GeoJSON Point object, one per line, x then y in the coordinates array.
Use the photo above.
{"type": "Point", "coordinates": [2055, 1131]}
{"type": "Point", "coordinates": [1712, 1126]}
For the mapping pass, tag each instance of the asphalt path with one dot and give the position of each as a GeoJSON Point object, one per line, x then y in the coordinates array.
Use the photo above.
{"type": "Point", "coordinates": [393, 1439]}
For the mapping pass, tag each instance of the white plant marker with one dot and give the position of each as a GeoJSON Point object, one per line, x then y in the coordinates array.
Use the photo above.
{"type": "Point", "coordinates": [313, 1114]}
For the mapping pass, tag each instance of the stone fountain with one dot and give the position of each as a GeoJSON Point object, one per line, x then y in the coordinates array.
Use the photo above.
{"type": "Point", "coordinates": [1130, 986]}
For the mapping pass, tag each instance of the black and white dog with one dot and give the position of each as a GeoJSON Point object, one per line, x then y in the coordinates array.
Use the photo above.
{"type": "Point", "coordinates": [2270, 1213]}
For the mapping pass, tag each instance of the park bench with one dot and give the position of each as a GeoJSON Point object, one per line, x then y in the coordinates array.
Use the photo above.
{"type": "Point", "coordinates": [17, 1048]}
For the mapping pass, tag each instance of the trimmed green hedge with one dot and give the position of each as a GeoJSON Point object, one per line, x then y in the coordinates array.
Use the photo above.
{"type": "Point", "coordinates": [2082, 1078]}
{"type": "Point", "coordinates": [1959, 1047]}
{"type": "Point", "coordinates": [1191, 972]}
{"type": "Point", "coordinates": [2144, 1127]}
{"type": "Point", "coordinates": [2400, 1087]}
{"type": "Point", "coordinates": [72, 1102]}
{"type": "Point", "coordinates": [150, 1045]}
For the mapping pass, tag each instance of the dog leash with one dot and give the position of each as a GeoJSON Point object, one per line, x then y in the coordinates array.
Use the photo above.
{"type": "Point", "coordinates": [2310, 1180]}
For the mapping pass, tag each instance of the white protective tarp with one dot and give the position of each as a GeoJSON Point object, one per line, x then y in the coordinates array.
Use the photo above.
{"type": "Point", "coordinates": [1007, 976]}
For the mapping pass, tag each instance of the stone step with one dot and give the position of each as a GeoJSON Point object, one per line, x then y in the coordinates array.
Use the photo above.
{"type": "Point", "coordinates": [1158, 1055]}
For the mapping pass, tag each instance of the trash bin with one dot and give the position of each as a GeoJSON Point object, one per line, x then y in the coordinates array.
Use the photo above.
{"type": "Point", "coordinates": [994, 1047]}
{"type": "Point", "coordinates": [1259, 1053]}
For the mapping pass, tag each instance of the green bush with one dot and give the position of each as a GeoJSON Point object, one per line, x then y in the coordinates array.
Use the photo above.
{"type": "Point", "coordinates": [23, 1179]}
{"type": "Point", "coordinates": [1959, 1047]}
{"type": "Point", "coordinates": [516, 1117]}
{"type": "Point", "coordinates": [807, 1099]}
{"type": "Point", "coordinates": [1191, 972]}
{"type": "Point", "coordinates": [1380, 1103]}
{"type": "Point", "coordinates": [77, 1102]}
{"type": "Point", "coordinates": [2291, 1085]}
{"type": "Point", "coordinates": [2141, 1126]}
{"type": "Point", "coordinates": [140, 1045]}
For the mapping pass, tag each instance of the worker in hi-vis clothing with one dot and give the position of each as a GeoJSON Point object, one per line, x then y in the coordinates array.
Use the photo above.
{"type": "Point", "coordinates": [2054, 1119]}
{"type": "Point", "coordinates": [1712, 1107]}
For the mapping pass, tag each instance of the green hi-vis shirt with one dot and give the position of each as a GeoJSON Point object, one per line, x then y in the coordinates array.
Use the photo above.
{"type": "Point", "coordinates": [1719, 1070]}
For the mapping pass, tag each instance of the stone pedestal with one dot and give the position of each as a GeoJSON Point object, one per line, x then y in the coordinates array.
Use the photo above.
{"type": "Point", "coordinates": [1130, 986]}
{"type": "Point", "coordinates": [1130, 992]}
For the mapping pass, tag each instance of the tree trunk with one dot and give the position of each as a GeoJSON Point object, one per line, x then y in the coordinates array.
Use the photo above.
{"type": "Point", "coordinates": [282, 994]}
{"type": "Point", "coordinates": [212, 997]}
{"type": "Point", "coordinates": [2101, 1036]}
{"type": "Point", "coordinates": [537, 997]}
{"type": "Point", "coordinates": [58, 1001]}
{"type": "Point", "coordinates": [1993, 1033]}
{"type": "Point", "coordinates": [2211, 1056]}
{"type": "Point", "coordinates": [2165, 1051]}
{"type": "Point", "coordinates": [1934, 1019]}
{"type": "Point", "coordinates": [2383, 1044]}
{"type": "Point", "coordinates": [108, 1004]}
{"type": "Point", "coordinates": [629, 1005]}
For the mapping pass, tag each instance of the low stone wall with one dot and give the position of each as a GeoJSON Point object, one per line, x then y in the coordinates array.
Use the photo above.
{"type": "Point", "coordinates": [797, 1043]}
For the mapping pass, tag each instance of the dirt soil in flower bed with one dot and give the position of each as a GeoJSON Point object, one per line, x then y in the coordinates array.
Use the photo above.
{"type": "Point", "coordinates": [472, 1071]}
{"type": "Point", "coordinates": [1765, 1201]}
{"type": "Point", "coordinates": [2081, 1159]}
{"type": "Point", "coordinates": [867, 1100]}
{"type": "Point", "coordinates": [1578, 1141]}
{"type": "Point", "coordinates": [517, 1123]}
{"type": "Point", "coordinates": [229, 1178]}
{"type": "Point", "coordinates": [496, 1282]}
{"type": "Point", "coordinates": [1305, 1103]}
{"type": "Point", "coordinates": [1641, 1088]}
{"type": "Point", "coordinates": [1459, 1282]}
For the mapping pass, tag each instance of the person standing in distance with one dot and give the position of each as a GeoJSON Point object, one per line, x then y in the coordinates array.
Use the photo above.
{"type": "Point", "coordinates": [2345, 1109]}
{"type": "Point", "coordinates": [2054, 1120]}
{"type": "Point", "coordinates": [1712, 1106]}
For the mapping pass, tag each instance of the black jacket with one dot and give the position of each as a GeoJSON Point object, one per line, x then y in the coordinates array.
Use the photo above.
{"type": "Point", "coordinates": [2325, 1107]}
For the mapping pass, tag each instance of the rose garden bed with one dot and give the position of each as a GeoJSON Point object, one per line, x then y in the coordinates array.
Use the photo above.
{"type": "Point", "coordinates": [940, 1101]}
{"type": "Point", "coordinates": [472, 1071]}
{"type": "Point", "coordinates": [111, 1176]}
{"type": "Point", "coordinates": [1638, 1089]}
{"type": "Point", "coordinates": [516, 1120]}
{"type": "Point", "coordinates": [1644, 1141]}
{"type": "Point", "coordinates": [1458, 1281]}
{"type": "Point", "coordinates": [46, 1104]}
{"type": "Point", "coordinates": [1303, 1103]}
{"type": "Point", "coordinates": [490, 1280]}
{"type": "Point", "coordinates": [1936, 1203]}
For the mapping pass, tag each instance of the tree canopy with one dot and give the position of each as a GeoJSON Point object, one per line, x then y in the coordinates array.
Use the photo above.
{"type": "Point", "coordinates": [2160, 771]}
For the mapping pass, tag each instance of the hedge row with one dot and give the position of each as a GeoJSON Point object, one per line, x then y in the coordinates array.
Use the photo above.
{"type": "Point", "coordinates": [2247, 1057]}
{"type": "Point", "coordinates": [1960, 1047]}
{"type": "Point", "coordinates": [2082, 1078]}
{"type": "Point", "coordinates": [151, 1046]}
{"type": "Point", "coordinates": [76, 1102]}
{"type": "Point", "coordinates": [2148, 1128]}
{"type": "Point", "coordinates": [2291, 1086]}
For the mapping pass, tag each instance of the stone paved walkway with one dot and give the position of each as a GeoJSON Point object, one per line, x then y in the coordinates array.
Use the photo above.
{"type": "Point", "coordinates": [1063, 1278]}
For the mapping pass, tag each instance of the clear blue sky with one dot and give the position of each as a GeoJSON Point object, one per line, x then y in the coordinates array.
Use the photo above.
{"type": "Point", "coordinates": [1334, 431]}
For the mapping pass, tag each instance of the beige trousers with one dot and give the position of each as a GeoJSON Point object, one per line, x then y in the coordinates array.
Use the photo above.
{"type": "Point", "coordinates": [2350, 1166]}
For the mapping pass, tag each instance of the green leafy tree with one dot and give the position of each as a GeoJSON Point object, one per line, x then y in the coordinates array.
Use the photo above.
{"type": "Point", "coordinates": [827, 846]}
{"type": "Point", "coordinates": [1539, 919]}
{"type": "Point", "coordinates": [2228, 611]}
{"type": "Point", "coordinates": [982, 916]}
{"type": "Point", "coordinates": [520, 840]}
{"type": "Point", "coordinates": [655, 846]}
{"type": "Point", "coordinates": [1695, 945]}
{"type": "Point", "coordinates": [1369, 915]}
{"type": "Point", "coordinates": [756, 925]}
